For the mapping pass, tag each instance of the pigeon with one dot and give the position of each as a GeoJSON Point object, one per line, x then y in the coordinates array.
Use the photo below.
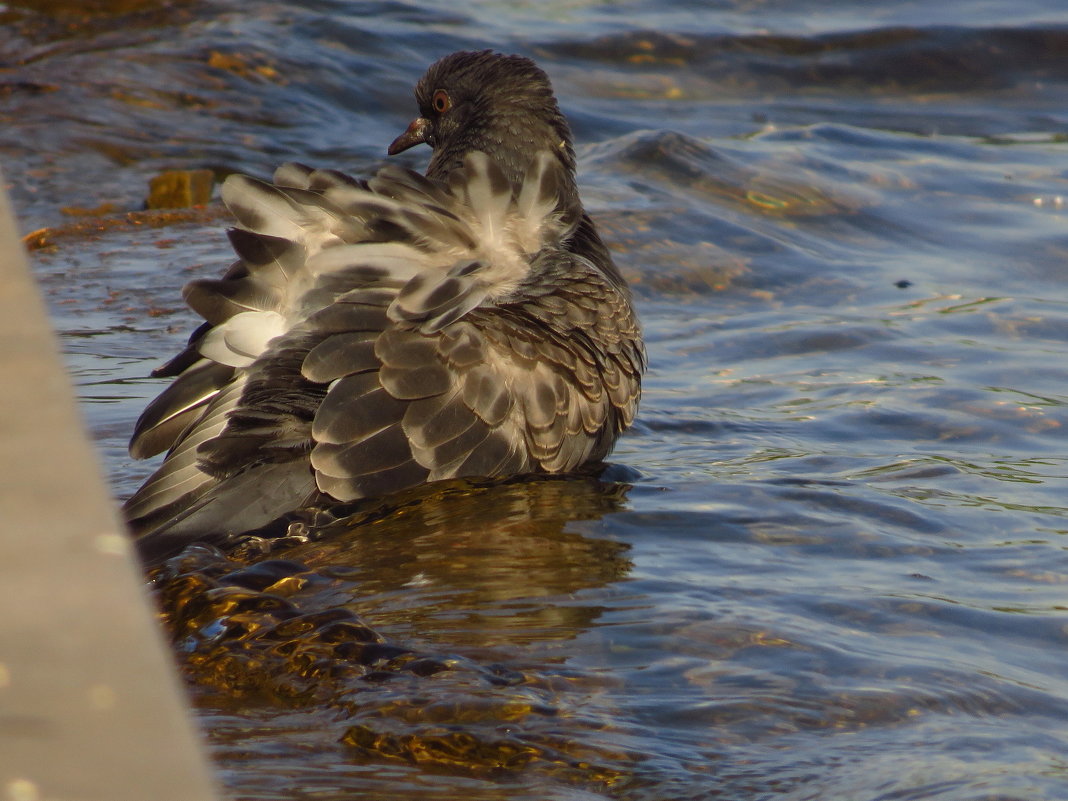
{"type": "Point", "coordinates": [377, 335]}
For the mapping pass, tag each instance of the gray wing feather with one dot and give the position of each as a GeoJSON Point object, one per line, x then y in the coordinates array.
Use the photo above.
{"type": "Point", "coordinates": [355, 407]}
{"type": "Point", "coordinates": [347, 315]}
{"type": "Point", "coordinates": [384, 450]}
{"type": "Point", "coordinates": [435, 301]}
{"type": "Point", "coordinates": [354, 487]}
{"type": "Point", "coordinates": [447, 458]}
{"type": "Point", "coordinates": [434, 421]}
{"type": "Point", "coordinates": [497, 455]}
{"type": "Point", "coordinates": [486, 395]}
{"type": "Point", "coordinates": [340, 355]}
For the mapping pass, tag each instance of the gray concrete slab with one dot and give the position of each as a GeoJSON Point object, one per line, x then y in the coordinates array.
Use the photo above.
{"type": "Point", "coordinates": [90, 704]}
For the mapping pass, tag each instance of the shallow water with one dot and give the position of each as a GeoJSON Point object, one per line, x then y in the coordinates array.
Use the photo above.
{"type": "Point", "coordinates": [836, 570]}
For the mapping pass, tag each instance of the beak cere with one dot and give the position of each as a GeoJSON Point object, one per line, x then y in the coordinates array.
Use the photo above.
{"type": "Point", "coordinates": [416, 134]}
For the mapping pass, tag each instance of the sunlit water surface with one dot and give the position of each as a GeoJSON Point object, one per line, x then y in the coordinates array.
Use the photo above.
{"type": "Point", "coordinates": [836, 569]}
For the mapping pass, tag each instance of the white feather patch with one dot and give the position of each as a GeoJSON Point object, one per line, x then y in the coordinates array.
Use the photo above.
{"type": "Point", "coordinates": [535, 207]}
{"type": "Point", "coordinates": [400, 261]}
{"type": "Point", "coordinates": [242, 338]}
{"type": "Point", "coordinates": [267, 209]}
{"type": "Point", "coordinates": [437, 299]}
{"type": "Point", "coordinates": [489, 196]}
{"type": "Point", "coordinates": [487, 206]}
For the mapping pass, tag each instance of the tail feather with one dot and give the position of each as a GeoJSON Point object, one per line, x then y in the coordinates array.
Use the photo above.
{"type": "Point", "coordinates": [181, 403]}
{"type": "Point", "coordinates": [180, 478]}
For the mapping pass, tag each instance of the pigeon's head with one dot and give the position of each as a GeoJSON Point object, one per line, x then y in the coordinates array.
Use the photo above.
{"type": "Point", "coordinates": [501, 105]}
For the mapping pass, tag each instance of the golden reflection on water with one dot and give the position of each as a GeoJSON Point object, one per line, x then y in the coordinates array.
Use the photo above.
{"type": "Point", "coordinates": [347, 626]}
{"type": "Point", "coordinates": [480, 562]}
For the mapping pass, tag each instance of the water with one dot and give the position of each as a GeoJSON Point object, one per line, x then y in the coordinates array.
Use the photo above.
{"type": "Point", "coordinates": [837, 568]}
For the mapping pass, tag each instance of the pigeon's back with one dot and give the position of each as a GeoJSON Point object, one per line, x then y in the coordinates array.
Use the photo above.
{"type": "Point", "coordinates": [376, 335]}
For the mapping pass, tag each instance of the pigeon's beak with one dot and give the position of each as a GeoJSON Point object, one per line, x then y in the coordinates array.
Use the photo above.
{"type": "Point", "coordinates": [416, 134]}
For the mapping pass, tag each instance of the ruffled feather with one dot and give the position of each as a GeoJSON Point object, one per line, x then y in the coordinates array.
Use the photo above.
{"type": "Point", "coordinates": [375, 335]}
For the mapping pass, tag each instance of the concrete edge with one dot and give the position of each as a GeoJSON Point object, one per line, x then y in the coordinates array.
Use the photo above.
{"type": "Point", "coordinates": [91, 706]}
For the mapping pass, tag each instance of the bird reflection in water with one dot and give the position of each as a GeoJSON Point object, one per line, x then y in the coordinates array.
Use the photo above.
{"type": "Point", "coordinates": [502, 567]}
{"type": "Point", "coordinates": [352, 627]}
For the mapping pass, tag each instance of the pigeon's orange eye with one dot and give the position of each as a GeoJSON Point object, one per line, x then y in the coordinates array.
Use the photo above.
{"type": "Point", "coordinates": [441, 101]}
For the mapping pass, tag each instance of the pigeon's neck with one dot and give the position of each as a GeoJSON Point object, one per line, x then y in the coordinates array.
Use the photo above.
{"type": "Point", "coordinates": [514, 149]}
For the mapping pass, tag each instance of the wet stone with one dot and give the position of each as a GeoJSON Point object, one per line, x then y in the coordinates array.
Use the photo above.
{"type": "Point", "coordinates": [180, 189]}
